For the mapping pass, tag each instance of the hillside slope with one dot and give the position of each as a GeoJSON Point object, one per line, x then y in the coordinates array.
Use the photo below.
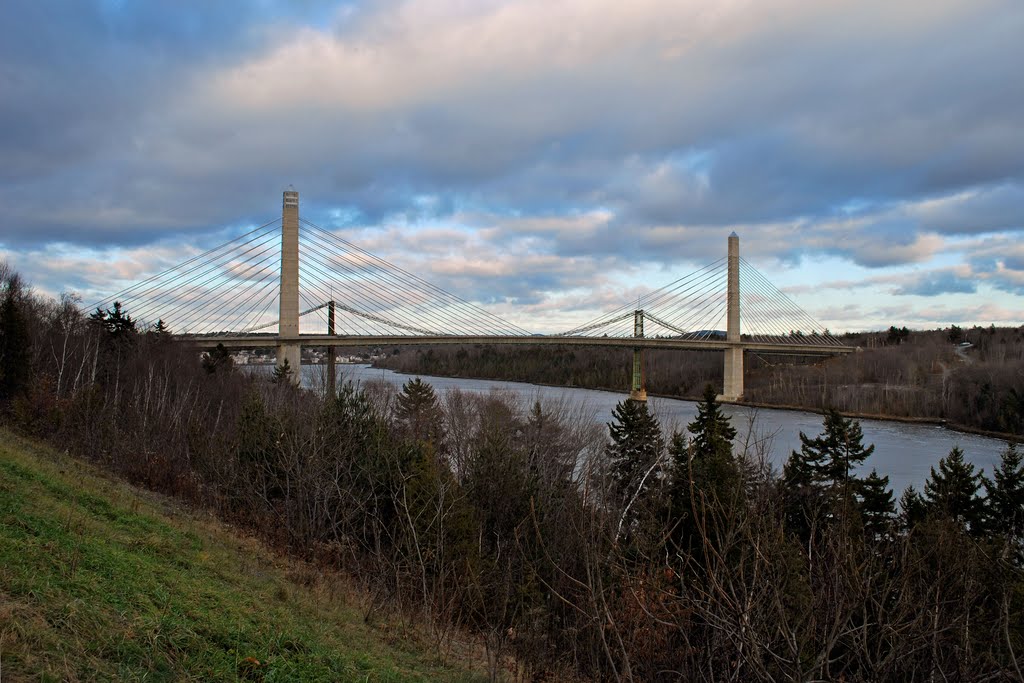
{"type": "Point", "coordinates": [100, 581]}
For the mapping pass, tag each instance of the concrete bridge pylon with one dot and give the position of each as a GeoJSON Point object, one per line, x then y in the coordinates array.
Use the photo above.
{"type": "Point", "coordinates": [732, 380]}
{"type": "Point", "coordinates": [638, 388]}
{"type": "Point", "coordinates": [288, 346]}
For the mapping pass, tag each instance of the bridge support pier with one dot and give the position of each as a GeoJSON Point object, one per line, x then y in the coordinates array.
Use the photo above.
{"type": "Point", "coordinates": [288, 347]}
{"type": "Point", "coordinates": [732, 380]}
{"type": "Point", "coordinates": [332, 355]}
{"type": "Point", "coordinates": [291, 352]}
{"type": "Point", "coordinates": [732, 377]}
{"type": "Point", "coordinates": [638, 388]}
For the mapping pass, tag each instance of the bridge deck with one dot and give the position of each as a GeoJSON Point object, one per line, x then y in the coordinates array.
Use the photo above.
{"type": "Point", "coordinates": [322, 340]}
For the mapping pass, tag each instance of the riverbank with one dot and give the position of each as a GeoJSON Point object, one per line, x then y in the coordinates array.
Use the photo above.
{"type": "Point", "coordinates": [919, 377]}
{"type": "Point", "coordinates": [898, 419]}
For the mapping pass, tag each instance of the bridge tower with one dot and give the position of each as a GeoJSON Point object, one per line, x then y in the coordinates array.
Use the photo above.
{"type": "Point", "coordinates": [332, 354]}
{"type": "Point", "coordinates": [288, 346]}
{"type": "Point", "coordinates": [638, 391]}
{"type": "Point", "coordinates": [732, 384]}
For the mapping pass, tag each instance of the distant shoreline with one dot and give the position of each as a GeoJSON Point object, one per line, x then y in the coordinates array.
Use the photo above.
{"type": "Point", "coordinates": [937, 421]}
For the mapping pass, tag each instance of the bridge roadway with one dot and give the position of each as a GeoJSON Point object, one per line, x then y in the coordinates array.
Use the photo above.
{"type": "Point", "coordinates": [322, 340]}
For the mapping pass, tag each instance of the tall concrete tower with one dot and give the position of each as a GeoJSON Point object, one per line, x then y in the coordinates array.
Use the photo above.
{"type": "Point", "coordinates": [638, 390]}
{"type": "Point", "coordinates": [288, 347]}
{"type": "Point", "coordinates": [732, 384]}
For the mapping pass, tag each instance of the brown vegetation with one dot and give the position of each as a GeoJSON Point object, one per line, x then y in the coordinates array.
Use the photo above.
{"type": "Point", "coordinates": [919, 374]}
{"type": "Point", "coordinates": [525, 526]}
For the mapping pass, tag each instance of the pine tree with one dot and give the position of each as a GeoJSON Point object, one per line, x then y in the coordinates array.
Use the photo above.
{"type": "Point", "coordinates": [953, 491]}
{"type": "Point", "coordinates": [712, 468]}
{"type": "Point", "coordinates": [1006, 494]}
{"type": "Point", "coordinates": [15, 340]}
{"type": "Point", "coordinates": [117, 335]}
{"type": "Point", "coordinates": [876, 505]}
{"type": "Point", "coordinates": [159, 331]}
{"type": "Point", "coordinates": [119, 324]}
{"type": "Point", "coordinates": [843, 445]}
{"type": "Point", "coordinates": [699, 487]}
{"type": "Point", "coordinates": [913, 507]}
{"type": "Point", "coordinates": [678, 472]}
{"type": "Point", "coordinates": [712, 431]}
{"type": "Point", "coordinates": [282, 373]}
{"type": "Point", "coordinates": [819, 480]}
{"type": "Point", "coordinates": [419, 412]}
{"type": "Point", "coordinates": [636, 445]}
{"type": "Point", "coordinates": [803, 494]}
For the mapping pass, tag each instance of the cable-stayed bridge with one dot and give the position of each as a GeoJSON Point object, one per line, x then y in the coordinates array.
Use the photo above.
{"type": "Point", "coordinates": [291, 283]}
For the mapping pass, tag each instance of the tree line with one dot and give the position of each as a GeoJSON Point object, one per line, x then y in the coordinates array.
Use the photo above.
{"type": "Point", "coordinates": [629, 551]}
{"type": "Point", "coordinates": [897, 373]}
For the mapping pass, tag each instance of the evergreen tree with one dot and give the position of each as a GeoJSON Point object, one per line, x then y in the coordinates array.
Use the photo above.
{"type": "Point", "coordinates": [419, 413]}
{"type": "Point", "coordinates": [835, 454]}
{"type": "Point", "coordinates": [1006, 495]}
{"type": "Point", "coordinates": [803, 494]}
{"type": "Point", "coordinates": [282, 373]}
{"type": "Point", "coordinates": [98, 319]}
{"type": "Point", "coordinates": [704, 471]}
{"type": "Point", "coordinates": [953, 491]}
{"type": "Point", "coordinates": [15, 340]}
{"type": "Point", "coordinates": [844, 442]}
{"type": "Point", "coordinates": [636, 445]}
{"type": "Point", "coordinates": [712, 431]}
{"type": "Point", "coordinates": [159, 331]}
{"type": "Point", "coordinates": [257, 449]}
{"type": "Point", "coordinates": [119, 325]}
{"type": "Point", "coordinates": [876, 505]}
{"type": "Point", "coordinates": [819, 480]}
{"type": "Point", "coordinates": [914, 508]}
{"type": "Point", "coordinates": [117, 335]}
{"type": "Point", "coordinates": [683, 494]}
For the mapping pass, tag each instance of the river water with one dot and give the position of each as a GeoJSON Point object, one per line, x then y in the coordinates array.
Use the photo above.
{"type": "Point", "coordinates": [904, 452]}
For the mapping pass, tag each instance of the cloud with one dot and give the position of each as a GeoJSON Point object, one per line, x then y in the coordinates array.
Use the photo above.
{"type": "Point", "coordinates": [936, 283]}
{"type": "Point", "coordinates": [522, 151]}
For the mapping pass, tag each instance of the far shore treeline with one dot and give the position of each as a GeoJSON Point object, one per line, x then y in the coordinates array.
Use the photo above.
{"type": "Point", "coordinates": [971, 378]}
{"type": "Point", "coordinates": [572, 550]}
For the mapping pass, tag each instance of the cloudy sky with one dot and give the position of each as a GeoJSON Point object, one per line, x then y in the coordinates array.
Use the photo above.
{"type": "Point", "coordinates": [546, 158]}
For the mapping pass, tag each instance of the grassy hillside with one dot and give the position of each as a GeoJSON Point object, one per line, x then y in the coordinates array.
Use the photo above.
{"type": "Point", "coordinates": [99, 581]}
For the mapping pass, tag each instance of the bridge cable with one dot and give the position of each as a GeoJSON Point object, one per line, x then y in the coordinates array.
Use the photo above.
{"type": "Point", "coordinates": [436, 316]}
{"type": "Point", "coordinates": [113, 297]}
{"type": "Point", "coordinates": [439, 313]}
{"type": "Point", "coordinates": [384, 304]}
{"type": "Point", "coordinates": [384, 301]}
{"type": "Point", "coordinates": [172, 287]}
{"type": "Point", "coordinates": [179, 295]}
{"type": "Point", "coordinates": [213, 306]}
{"type": "Point", "coordinates": [506, 325]}
{"type": "Point", "coordinates": [647, 300]}
{"type": "Point", "coordinates": [785, 303]}
{"type": "Point", "coordinates": [692, 307]}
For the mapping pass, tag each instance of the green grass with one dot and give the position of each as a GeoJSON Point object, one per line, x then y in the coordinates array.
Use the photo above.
{"type": "Point", "coordinates": [100, 581]}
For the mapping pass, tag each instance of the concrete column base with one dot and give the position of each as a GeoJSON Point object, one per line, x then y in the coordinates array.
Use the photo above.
{"type": "Point", "coordinates": [292, 352]}
{"type": "Point", "coordinates": [732, 380]}
{"type": "Point", "coordinates": [332, 371]}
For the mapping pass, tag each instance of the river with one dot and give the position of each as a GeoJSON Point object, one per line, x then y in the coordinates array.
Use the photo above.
{"type": "Point", "coordinates": [904, 452]}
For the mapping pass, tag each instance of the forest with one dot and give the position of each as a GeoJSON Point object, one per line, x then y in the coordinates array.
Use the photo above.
{"type": "Point", "coordinates": [570, 550]}
{"type": "Point", "coordinates": [970, 378]}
